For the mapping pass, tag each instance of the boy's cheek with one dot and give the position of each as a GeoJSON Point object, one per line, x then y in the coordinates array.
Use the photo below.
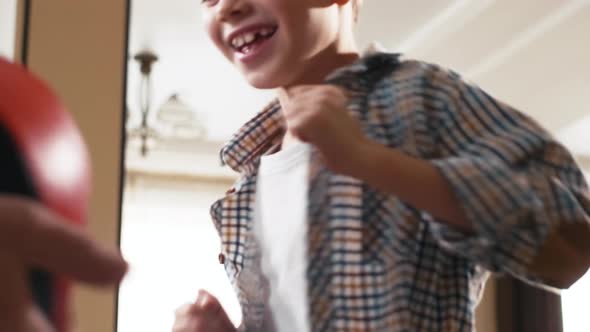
{"type": "Point", "coordinates": [214, 33]}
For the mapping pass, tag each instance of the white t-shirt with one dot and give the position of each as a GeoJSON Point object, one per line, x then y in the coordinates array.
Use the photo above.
{"type": "Point", "coordinates": [280, 227]}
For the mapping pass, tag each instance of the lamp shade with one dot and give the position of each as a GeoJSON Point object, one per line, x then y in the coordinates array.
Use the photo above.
{"type": "Point", "coordinates": [180, 120]}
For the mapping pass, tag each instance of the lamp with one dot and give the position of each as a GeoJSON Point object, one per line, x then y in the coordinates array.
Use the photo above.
{"type": "Point", "coordinates": [179, 120]}
{"type": "Point", "coordinates": [176, 120]}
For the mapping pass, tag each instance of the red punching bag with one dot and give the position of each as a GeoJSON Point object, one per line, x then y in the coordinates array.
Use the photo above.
{"type": "Point", "coordinates": [43, 157]}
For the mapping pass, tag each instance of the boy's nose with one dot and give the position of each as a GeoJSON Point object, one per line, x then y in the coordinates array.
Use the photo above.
{"type": "Point", "coordinates": [231, 10]}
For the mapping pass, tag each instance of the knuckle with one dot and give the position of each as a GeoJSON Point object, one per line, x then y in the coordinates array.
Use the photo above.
{"type": "Point", "coordinates": [318, 116]}
{"type": "Point", "coordinates": [183, 310]}
{"type": "Point", "coordinates": [325, 96]}
{"type": "Point", "coordinates": [210, 304]}
{"type": "Point", "coordinates": [331, 90]}
{"type": "Point", "coordinates": [185, 326]}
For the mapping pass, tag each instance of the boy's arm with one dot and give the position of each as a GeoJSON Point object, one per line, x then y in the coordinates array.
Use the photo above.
{"type": "Point", "coordinates": [504, 194]}
{"type": "Point", "coordinates": [414, 181]}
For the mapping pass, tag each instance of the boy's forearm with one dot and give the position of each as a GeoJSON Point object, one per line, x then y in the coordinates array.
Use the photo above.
{"type": "Point", "coordinates": [414, 181]}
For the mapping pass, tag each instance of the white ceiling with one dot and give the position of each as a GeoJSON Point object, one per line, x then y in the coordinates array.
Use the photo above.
{"type": "Point", "coordinates": [532, 54]}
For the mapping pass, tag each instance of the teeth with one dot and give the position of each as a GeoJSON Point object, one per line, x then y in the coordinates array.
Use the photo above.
{"type": "Point", "coordinates": [266, 32]}
{"type": "Point", "coordinates": [238, 42]}
{"type": "Point", "coordinates": [249, 37]}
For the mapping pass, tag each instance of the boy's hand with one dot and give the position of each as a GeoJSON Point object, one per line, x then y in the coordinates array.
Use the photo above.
{"type": "Point", "coordinates": [205, 315]}
{"type": "Point", "coordinates": [317, 114]}
{"type": "Point", "coordinates": [31, 235]}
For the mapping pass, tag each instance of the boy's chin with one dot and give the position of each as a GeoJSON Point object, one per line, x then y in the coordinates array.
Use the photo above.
{"type": "Point", "coordinates": [262, 82]}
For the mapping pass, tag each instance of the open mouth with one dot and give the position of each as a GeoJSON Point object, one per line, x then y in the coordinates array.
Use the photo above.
{"type": "Point", "coordinates": [248, 41]}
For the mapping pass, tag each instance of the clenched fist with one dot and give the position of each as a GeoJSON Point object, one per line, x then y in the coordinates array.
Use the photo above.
{"type": "Point", "coordinates": [318, 114]}
{"type": "Point", "coordinates": [204, 315]}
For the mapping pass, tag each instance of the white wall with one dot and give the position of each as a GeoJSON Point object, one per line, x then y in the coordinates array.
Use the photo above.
{"type": "Point", "coordinates": [8, 14]}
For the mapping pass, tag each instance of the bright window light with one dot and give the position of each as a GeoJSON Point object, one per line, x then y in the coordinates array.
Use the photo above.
{"type": "Point", "coordinates": [172, 247]}
{"type": "Point", "coordinates": [575, 306]}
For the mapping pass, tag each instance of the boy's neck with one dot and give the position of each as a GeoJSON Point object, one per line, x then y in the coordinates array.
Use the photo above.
{"type": "Point", "coordinates": [317, 70]}
{"type": "Point", "coordinates": [343, 52]}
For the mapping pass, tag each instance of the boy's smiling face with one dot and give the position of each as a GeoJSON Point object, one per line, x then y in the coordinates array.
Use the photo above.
{"type": "Point", "coordinates": [274, 42]}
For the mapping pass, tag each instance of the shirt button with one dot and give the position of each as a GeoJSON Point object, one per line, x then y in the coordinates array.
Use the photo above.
{"type": "Point", "coordinates": [231, 191]}
{"type": "Point", "coordinates": [221, 258]}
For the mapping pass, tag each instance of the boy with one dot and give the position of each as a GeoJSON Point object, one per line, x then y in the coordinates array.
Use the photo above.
{"type": "Point", "coordinates": [376, 193]}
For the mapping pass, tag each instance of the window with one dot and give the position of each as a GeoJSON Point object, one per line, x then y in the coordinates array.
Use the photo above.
{"type": "Point", "coordinates": [576, 317]}
{"type": "Point", "coordinates": [575, 302]}
{"type": "Point", "coordinates": [172, 246]}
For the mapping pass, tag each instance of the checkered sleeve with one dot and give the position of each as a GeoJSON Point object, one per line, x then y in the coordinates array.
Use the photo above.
{"type": "Point", "coordinates": [515, 183]}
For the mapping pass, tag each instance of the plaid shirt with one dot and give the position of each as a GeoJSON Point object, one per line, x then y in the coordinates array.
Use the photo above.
{"type": "Point", "coordinates": [376, 263]}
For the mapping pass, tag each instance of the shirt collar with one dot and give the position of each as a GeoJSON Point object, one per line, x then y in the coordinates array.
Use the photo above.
{"type": "Point", "coordinates": [242, 152]}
